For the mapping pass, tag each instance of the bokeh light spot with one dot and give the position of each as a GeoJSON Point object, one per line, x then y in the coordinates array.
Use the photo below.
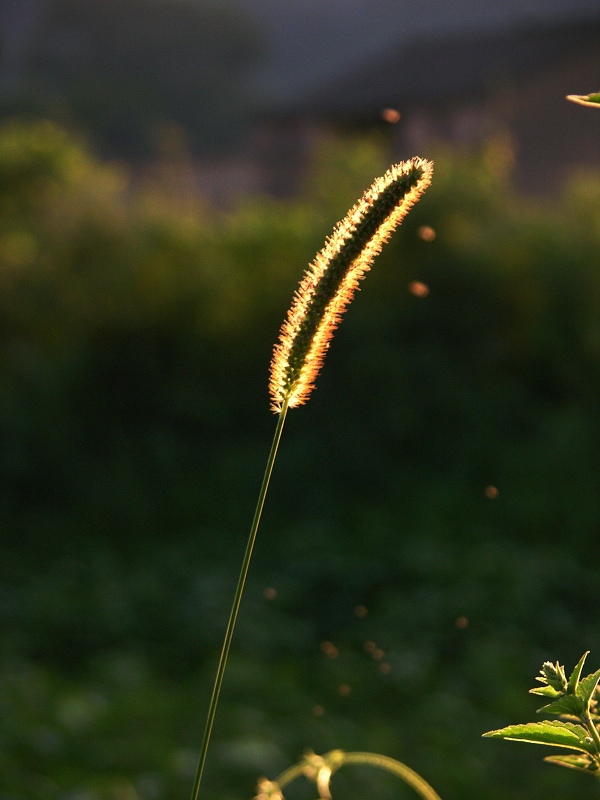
{"type": "Point", "coordinates": [330, 649]}
{"type": "Point", "coordinates": [390, 115]}
{"type": "Point", "coordinates": [426, 233]}
{"type": "Point", "coordinates": [418, 288]}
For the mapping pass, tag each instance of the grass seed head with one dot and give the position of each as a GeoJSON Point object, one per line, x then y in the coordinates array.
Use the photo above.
{"type": "Point", "coordinates": [330, 281]}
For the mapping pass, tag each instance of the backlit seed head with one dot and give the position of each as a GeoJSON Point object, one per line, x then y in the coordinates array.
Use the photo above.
{"type": "Point", "coordinates": [330, 281]}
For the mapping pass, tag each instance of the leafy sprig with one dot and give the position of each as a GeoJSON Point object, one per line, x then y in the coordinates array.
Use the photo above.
{"type": "Point", "coordinates": [575, 701]}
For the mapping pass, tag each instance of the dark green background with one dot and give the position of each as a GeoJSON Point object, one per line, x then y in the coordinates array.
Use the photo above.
{"type": "Point", "coordinates": [136, 328]}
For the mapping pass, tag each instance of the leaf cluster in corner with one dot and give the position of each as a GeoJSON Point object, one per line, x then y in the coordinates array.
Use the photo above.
{"type": "Point", "coordinates": [576, 695]}
{"type": "Point", "coordinates": [574, 700]}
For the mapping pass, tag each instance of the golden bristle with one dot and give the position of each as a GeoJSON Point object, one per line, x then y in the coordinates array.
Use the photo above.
{"type": "Point", "coordinates": [329, 282]}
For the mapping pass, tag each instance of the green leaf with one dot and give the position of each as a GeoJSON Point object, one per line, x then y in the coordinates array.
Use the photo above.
{"type": "Point", "coordinates": [552, 732]}
{"type": "Point", "coordinates": [568, 704]}
{"type": "Point", "coordinates": [584, 763]}
{"type": "Point", "coordinates": [576, 674]}
{"type": "Point", "coordinates": [587, 687]}
{"type": "Point", "coordinates": [545, 691]}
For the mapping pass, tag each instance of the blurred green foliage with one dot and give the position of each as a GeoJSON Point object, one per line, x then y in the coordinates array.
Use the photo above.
{"type": "Point", "coordinates": [136, 326]}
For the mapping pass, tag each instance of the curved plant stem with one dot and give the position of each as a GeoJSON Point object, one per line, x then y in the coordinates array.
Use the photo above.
{"type": "Point", "coordinates": [338, 758]}
{"type": "Point", "coordinates": [290, 774]}
{"type": "Point", "coordinates": [212, 709]}
{"type": "Point", "coordinates": [408, 775]}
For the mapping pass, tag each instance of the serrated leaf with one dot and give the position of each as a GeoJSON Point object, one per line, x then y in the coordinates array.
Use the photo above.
{"type": "Point", "coordinates": [545, 691]}
{"type": "Point", "coordinates": [552, 732]}
{"type": "Point", "coordinates": [583, 763]}
{"type": "Point", "coordinates": [587, 687]}
{"type": "Point", "coordinates": [568, 704]}
{"type": "Point", "coordinates": [576, 674]}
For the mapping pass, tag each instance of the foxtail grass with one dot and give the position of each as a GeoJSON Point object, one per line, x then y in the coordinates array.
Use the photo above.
{"type": "Point", "coordinates": [324, 293]}
{"type": "Point", "coordinates": [330, 281]}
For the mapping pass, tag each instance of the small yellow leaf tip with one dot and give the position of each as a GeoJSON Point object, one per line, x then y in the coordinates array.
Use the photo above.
{"type": "Point", "coordinates": [591, 100]}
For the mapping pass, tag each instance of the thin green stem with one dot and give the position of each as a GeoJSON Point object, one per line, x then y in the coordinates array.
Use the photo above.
{"type": "Point", "coordinates": [214, 700]}
{"type": "Point", "coordinates": [291, 774]}
{"type": "Point", "coordinates": [408, 775]}
{"type": "Point", "coordinates": [593, 730]}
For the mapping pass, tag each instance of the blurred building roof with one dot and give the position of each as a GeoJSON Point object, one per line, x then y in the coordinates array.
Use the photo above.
{"type": "Point", "coordinates": [454, 72]}
{"type": "Point", "coordinates": [458, 66]}
{"type": "Point", "coordinates": [312, 43]}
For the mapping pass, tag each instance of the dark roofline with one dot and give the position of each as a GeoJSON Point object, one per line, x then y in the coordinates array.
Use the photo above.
{"type": "Point", "coordinates": [442, 69]}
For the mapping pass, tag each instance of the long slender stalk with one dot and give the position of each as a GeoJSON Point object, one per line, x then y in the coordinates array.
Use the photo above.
{"type": "Point", "coordinates": [325, 291]}
{"type": "Point", "coordinates": [214, 700]}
